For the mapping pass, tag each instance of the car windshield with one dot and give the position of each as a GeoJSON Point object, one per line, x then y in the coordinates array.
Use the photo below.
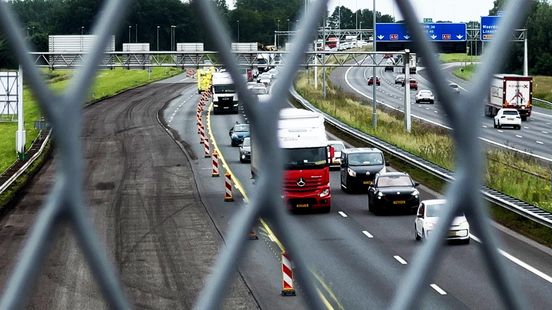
{"type": "Point", "coordinates": [338, 147]}
{"type": "Point", "coordinates": [453, 85]}
{"type": "Point", "coordinates": [365, 159]}
{"type": "Point", "coordinates": [243, 127]}
{"type": "Point", "coordinates": [224, 89]}
{"type": "Point", "coordinates": [510, 112]}
{"type": "Point", "coordinates": [433, 210]}
{"type": "Point", "coordinates": [392, 181]}
{"type": "Point", "coordinates": [312, 158]}
{"type": "Point", "coordinates": [425, 92]}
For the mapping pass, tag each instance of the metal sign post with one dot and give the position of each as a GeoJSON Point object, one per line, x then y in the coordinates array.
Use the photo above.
{"type": "Point", "coordinates": [21, 134]}
{"type": "Point", "coordinates": [407, 118]}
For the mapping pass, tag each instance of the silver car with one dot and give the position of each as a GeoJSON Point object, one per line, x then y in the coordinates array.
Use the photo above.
{"type": "Point", "coordinates": [245, 150]}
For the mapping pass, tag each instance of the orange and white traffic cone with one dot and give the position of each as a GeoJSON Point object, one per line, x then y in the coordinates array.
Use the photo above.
{"type": "Point", "coordinates": [287, 276]}
{"type": "Point", "coordinates": [228, 187]}
{"type": "Point", "coordinates": [215, 172]}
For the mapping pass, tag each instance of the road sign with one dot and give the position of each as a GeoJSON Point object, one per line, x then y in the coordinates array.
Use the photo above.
{"type": "Point", "coordinates": [428, 20]}
{"type": "Point", "coordinates": [489, 25]}
{"type": "Point", "coordinates": [438, 32]}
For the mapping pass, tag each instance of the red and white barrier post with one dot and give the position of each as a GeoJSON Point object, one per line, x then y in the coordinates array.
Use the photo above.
{"type": "Point", "coordinates": [228, 187]}
{"type": "Point", "coordinates": [207, 148]}
{"type": "Point", "coordinates": [215, 172]}
{"type": "Point", "coordinates": [287, 276]}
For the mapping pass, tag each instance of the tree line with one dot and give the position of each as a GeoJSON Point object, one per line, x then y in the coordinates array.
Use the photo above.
{"type": "Point", "coordinates": [250, 20]}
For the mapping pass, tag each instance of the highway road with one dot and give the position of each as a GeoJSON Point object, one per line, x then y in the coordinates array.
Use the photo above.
{"type": "Point", "coordinates": [533, 138]}
{"type": "Point", "coordinates": [163, 219]}
{"type": "Point", "coordinates": [359, 259]}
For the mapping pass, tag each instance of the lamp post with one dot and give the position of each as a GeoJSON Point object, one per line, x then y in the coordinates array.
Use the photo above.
{"type": "Point", "coordinates": [276, 35]}
{"type": "Point", "coordinates": [129, 29]}
{"type": "Point", "coordinates": [374, 112]}
{"type": "Point", "coordinates": [82, 30]}
{"type": "Point", "coordinates": [136, 40]}
{"type": "Point", "coordinates": [360, 30]}
{"type": "Point", "coordinates": [173, 30]}
{"type": "Point", "coordinates": [238, 21]}
{"type": "Point", "coordinates": [158, 38]}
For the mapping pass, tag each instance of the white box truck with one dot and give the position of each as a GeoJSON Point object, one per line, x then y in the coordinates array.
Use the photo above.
{"type": "Point", "coordinates": [225, 96]}
{"type": "Point", "coordinates": [510, 91]}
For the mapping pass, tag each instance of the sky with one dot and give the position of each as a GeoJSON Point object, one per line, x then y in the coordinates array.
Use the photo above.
{"type": "Point", "coordinates": [452, 10]}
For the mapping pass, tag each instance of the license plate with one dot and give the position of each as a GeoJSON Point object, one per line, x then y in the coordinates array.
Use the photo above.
{"type": "Point", "coordinates": [367, 182]}
{"type": "Point", "coordinates": [302, 205]}
{"type": "Point", "coordinates": [510, 119]}
{"type": "Point", "coordinates": [399, 202]}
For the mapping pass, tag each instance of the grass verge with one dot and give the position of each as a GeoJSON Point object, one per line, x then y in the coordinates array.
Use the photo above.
{"type": "Point", "coordinates": [457, 57]}
{"type": "Point", "coordinates": [519, 176]}
{"type": "Point", "coordinates": [107, 84]}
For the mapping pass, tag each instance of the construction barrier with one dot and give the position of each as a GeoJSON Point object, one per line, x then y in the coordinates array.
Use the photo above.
{"type": "Point", "coordinates": [215, 172]}
{"type": "Point", "coordinates": [206, 145]}
{"type": "Point", "coordinates": [201, 134]}
{"type": "Point", "coordinates": [228, 187]}
{"type": "Point", "coordinates": [287, 276]}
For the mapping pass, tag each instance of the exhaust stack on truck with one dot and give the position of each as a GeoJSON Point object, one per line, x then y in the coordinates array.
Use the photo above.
{"type": "Point", "coordinates": [510, 91]}
{"type": "Point", "coordinates": [302, 138]}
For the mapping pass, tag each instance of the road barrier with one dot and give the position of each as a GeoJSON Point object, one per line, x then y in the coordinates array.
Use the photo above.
{"type": "Point", "coordinates": [228, 187]}
{"type": "Point", "coordinates": [206, 147]}
{"type": "Point", "coordinates": [287, 276]}
{"type": "Point", "coordinates": [202, 137]}
{"type": "Point", "coordinates": [215, 171]}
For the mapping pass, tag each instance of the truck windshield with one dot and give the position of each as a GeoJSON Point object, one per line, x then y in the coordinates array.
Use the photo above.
{"type": "Point", "coordinates": [224, 89]}
{"type": "Point", "coordinates": [308, 158]}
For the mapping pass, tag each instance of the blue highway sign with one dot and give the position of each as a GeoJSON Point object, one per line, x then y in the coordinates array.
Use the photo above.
{"type": "Point", "coordinates": [489, 25]}
{"type": "Point", "coordinates": [438, 32]}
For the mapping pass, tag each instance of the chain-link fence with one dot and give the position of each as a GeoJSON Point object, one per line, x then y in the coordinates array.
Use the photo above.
{"type": "Point", "coordinates": [65, 201]}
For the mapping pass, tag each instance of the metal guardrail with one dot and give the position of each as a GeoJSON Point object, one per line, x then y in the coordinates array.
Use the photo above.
{"type": "Point", "coordinates": [520, 207]}
{"type": "Point", "coordinates": [542, 101]}
{"type": "Point", "coordinates": [65, 203]}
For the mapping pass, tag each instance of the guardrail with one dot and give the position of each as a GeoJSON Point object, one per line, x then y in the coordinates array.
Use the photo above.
{"type": "Point", "coordinates": [515, 205]}
{"type": "Point", "coordinates": [542, 101]}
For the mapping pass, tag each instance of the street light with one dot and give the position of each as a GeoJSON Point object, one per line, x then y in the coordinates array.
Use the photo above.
{"type": "Point", "coordinates": [288, 25]}
{"type": "Point", "coordinates": [374, 112]}
{"type": "Point", "coordinates": [136, 34]}
{"type": "Point", "coordinates": [129, 29]}
{"type": "Point", "coordinates": [238, 30]}
{"type": "Point", "coordinates": [82, 30]}
{"type": "Point", "coordinates": [278, 29]}
{"type": "Point", "coordinates": [158, 38]}
{"type": "Point", "coordinates": [360, 30]}
{"type": "Point", "coordinates": [173, 30]}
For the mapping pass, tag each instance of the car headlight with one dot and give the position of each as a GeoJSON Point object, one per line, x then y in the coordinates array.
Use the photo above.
{"type": "Point", "coordinates": [415, 193]}
{"type": "Point", "coordinates": [464, 225]}
{"type": "Point", "coordinates": [351, 172]}
{"type": "Point", "coordinates": [380, 195]}
{"type": "Point", "coordinates": [325, 193]}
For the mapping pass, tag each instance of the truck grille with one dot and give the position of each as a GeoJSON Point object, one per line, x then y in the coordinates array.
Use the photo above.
{"type": "Point", "coordinates": [290, 185]}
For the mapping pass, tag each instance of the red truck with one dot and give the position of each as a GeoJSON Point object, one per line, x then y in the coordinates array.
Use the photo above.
{"type": "Point", "coordinates": [303, 139]}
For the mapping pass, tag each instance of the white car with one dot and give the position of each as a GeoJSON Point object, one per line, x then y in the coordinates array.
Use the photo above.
{"type": "Point", "coordinates": [507, 117]}
{"type": "Point", "coordinates": [455, 87]}
{"type": "Point", "coordinates": [427, 217]}
{"type": "Point", "coordinates": [338, 147]}
{"type": "Point", "coordinates": [425, 95]}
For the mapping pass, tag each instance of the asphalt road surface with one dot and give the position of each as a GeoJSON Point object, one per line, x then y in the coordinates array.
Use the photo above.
{"type": "Point", "coordinates": [145, 206]}
{"type": "Point", "coordinates": [533, 138]}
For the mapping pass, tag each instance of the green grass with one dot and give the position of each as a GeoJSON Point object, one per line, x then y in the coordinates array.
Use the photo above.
{"type": "Point", "coordinates": [508, 172]}
{"type": "Point", "coordinates": [457, 57]}
{"type": "Point", "coordinates": [465, 72]}
{"type": "Point", "coordinates": [107, 83]}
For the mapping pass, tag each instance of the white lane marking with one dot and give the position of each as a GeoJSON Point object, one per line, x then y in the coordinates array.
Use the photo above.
{"type": "Point", "coordinates": [485, 126]}
{"type": "Point", "coordinates": [545, 132]}
{"type": "Point", "coordinates": [548, 159]}
{"type": "Point", "coordinates": [542, 114]}
{"type": "Point", "coordinates": [500, 130]}
{"type": "Point", "coordinates": [438, 289]}
{"type": "Point", "coordinates": [367, 234]}
{"type": "Point", "coordinates": [342, 214]}
{"type": "Point", "coordinates": [436, 111]}
{"type": "Point", "coordinates": [526, 127]}
{"type": "Point", "coordinates": [519, 262]}
{"type": "Point", "coordinates": [400, 259]}
{"type": "Point", "coordinates": [519, 136]}
{"type": "Point", "coordinates": [539, 142]}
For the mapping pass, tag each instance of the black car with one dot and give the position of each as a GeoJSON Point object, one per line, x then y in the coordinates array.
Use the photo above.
{"type": "Point", "coordinates": [238, 132]}
{"type": "Point", "coordinates": [393, 191]}
{"type": "Point", "coordinates": [359, 167]}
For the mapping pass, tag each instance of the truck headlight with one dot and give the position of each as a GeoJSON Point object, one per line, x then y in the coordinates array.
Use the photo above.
{"type": "Point", "coordinates": [351, 172]}
{"type": "Point", "coordinates": [325, 193]}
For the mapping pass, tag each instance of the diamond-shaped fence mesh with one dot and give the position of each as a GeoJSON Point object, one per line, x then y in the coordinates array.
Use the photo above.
{"type": "Point", "coordinates": [65, 202]}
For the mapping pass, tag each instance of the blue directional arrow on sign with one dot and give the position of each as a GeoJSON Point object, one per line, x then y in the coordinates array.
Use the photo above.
{"type": "Point", "coordinates": [439, 32]}
{"type": "Point", "coordinates": [488, 27]}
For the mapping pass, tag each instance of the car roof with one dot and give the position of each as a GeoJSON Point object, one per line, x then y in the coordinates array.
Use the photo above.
{"type": "Point", "coordinates": [433, 201]}
{"type": "Point", "coordinates": [362, 150]}
{"type": "Point", "coordinates": [335, 142]}
{"type": "Point", "coordinates": [392, 174]}
{"type": "Point", "coordinates": [508, 109]}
